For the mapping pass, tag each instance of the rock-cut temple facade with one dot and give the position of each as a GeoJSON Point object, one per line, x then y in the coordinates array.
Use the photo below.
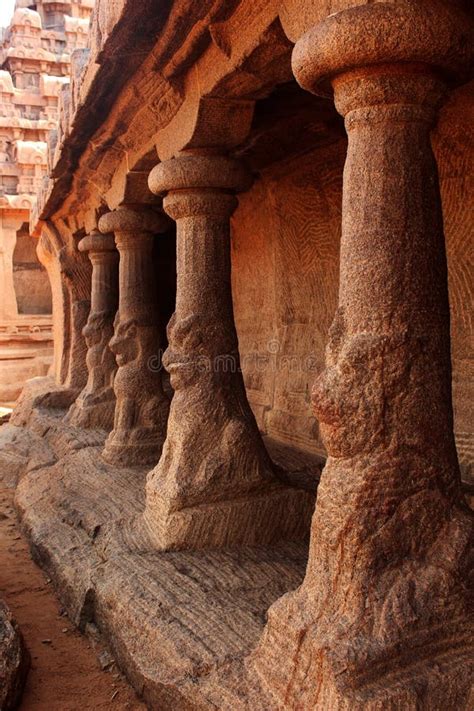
{"type": "Point", "coordinates": [35, 57]}
{"type": "Point", "coordinates": [250, 466]}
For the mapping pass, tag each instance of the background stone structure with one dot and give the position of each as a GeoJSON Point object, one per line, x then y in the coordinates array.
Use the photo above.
{"type": "Point", "coordinates": [35, 58]}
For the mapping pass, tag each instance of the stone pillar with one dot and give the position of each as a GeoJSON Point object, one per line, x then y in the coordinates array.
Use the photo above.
{"type": "Point", "coordinates": [8, 303]}
{"type": "Point", "coordinates": [48, 257]}
{"type": "Point", "coordinates": [95, 405]}
{"type": "Point", "coordinates": [141, 411]}
{"type": "Point", "coordinates": [214, 484]}
{"type": "Point", "coordinates": [381, 619]}
{"type": "Point", "coordinates": [75, 274]}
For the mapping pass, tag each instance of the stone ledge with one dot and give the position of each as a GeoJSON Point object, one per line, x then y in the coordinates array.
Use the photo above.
{"type": "Point", "coordinates": [171, 619]}
{"type": "Point", "coordinates": [182, 625]}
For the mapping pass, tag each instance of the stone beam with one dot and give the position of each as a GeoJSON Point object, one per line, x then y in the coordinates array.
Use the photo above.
{"type": "Point", "coordinates": [210, 123]}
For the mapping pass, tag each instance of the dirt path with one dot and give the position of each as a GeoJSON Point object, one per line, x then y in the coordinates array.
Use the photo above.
{"type": "Point", "coordinates": [65, 673]}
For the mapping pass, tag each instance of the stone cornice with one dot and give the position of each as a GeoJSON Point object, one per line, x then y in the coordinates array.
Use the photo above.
{"type": "Point", "coordinates": [17, 202]}
{"type": "Point", "coordinates": [128, 219]}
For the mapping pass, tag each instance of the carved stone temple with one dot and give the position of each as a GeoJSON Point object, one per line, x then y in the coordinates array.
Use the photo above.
{"type": "Point", "coordinates": [251, 463]}
{"type": "Point", "coordinates": [36, 51]}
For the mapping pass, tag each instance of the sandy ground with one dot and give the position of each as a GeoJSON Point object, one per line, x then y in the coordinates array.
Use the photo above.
{"type": "Point", "coordinates": [65, 674]}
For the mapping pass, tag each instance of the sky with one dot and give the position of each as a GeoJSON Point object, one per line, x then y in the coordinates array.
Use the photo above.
{"type": "Point", "coordinates": [6, 11]}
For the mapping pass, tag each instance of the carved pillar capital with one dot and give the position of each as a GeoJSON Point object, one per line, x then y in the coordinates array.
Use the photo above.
{"type": "Point", "coordinates": [387, 63]}
{"type": "Point", "coordinates": [133, 219]}
{"type": "Point", "coordinates": [98, 243]}
{"type": "Point", "coordinates": [199, 184]}
{"type": "Point", "coordinates": [414, 37]}
{"type": "Point", "coordinates": [133, 226]}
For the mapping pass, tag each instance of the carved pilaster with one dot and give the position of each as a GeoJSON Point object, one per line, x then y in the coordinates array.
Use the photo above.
{"type": "Point", "coordinates": [75, 274]}
{"type": "Point", "coordinates": [96, 403]}
{"type": "Point", "coordinates": [382, 616]}
{"type": "Point", "coordinates": [141, 410]}
{"type": "Point", "coordinates": [69, 273]}
{"type": "Point", "coordinates": [214, 484]}
{"type": "Point", "coordinates": [47, 251]}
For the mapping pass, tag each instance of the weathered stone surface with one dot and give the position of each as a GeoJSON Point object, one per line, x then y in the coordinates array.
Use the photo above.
{"type": "Point", "coordinates": [14, 661]}
{"type": "Point", "coordinates": [180, 623]}
{"type": "Point", "coordinates": [214, 485]}
{"type": "Point", "coordinates": [42, 409]}
{"type": "Point", "coordinates": [381, 617]}
{"type": "Point", "coordinates": [95, 406]}
{"type": "Point", "coordinates": [141, 411]}
{"type": "Point", "coordinates": [171, 618]}
{"type": "Point", "coordinates": [390, 507]}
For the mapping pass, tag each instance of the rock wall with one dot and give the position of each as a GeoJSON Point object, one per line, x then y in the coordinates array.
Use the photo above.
{"type": "Point", "coordinates": [285, 252]}
{"type": "Point", "coordinates": [454, 148]}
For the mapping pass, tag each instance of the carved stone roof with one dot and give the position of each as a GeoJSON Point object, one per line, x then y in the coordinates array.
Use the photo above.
{"type": "Point", "coordinates": [35, 56]}
{"type": "Point", "coordinates": [25, 16]}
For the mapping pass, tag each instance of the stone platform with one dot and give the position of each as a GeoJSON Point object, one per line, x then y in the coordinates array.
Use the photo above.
{"type": "Point", "coordinates": [183, 626]}
{"type": "Point", "coordinates": [175, 621]}
{"type": "Point", "coordinates": [26, 351]}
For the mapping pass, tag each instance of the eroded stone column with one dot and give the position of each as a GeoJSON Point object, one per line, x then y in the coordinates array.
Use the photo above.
{"type": "Point", "coordinates": [215, 484]}
{"type": "Point", "coordinates": [141, 410]}
{"type": "Point", "coordinates": [381, 620]}
{"type": "Point", "coordinates": [95, 405]}
{"type": "Point", "coordinates": [75, 274]}
{"type": "Point", "coordinates": [8, 303]}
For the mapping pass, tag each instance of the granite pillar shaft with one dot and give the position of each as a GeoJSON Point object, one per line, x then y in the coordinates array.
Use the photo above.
{"type": "Point", "coordinates": [214, 484]}
{"type": "Point", "coordinates": [137, 277]}
{"type": "Point", "coordinates": [141, 410]}
{"type": "Point", "coordinates": [95, 404]}
{"type": "Point", "coordinates": [104, 296]}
